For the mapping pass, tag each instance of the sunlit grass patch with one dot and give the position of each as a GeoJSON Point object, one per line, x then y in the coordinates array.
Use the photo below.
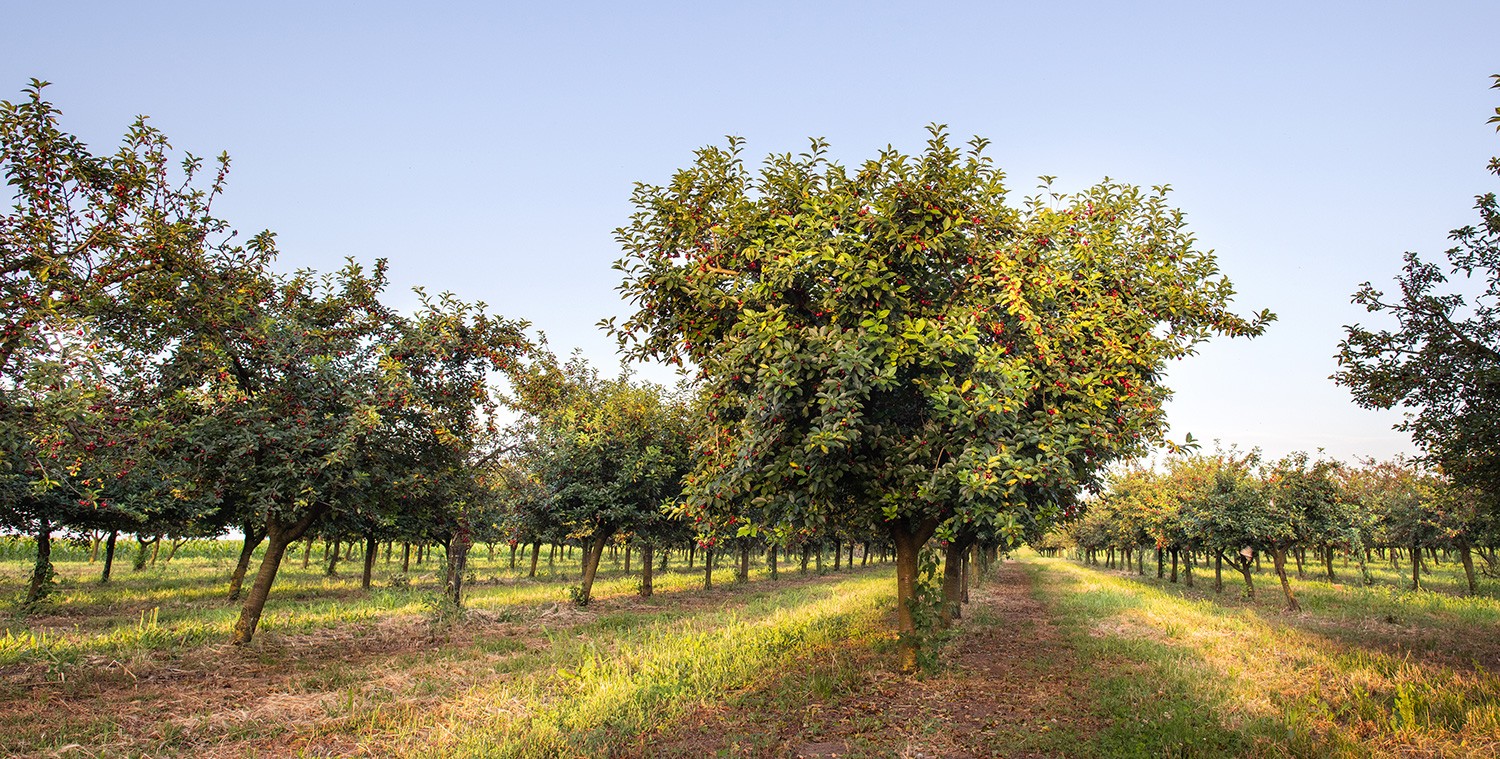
{"type": "Point", "coordinates": [1264, 686]}
{"type": "Point", "coordinates": [605, 682]}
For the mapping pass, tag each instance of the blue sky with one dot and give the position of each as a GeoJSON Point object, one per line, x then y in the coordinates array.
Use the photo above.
{"type": "Point", "coordinates": [490, 149]}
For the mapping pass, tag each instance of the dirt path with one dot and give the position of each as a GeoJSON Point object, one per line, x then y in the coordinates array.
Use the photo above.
{"type": "Point", "coordinates": [1009, 686]}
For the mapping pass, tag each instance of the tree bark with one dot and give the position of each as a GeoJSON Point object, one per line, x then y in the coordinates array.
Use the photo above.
{"type": "Point", "coordinates": [109, 555]}
{"type": "Point", "coordinates": [647, 564]}
{"type": "Point", "coordinates": [253, 536]}
{"type": "Point", "coordinates": [909, 540]}
{"type": "Point", "coordinates": [743, 575]}
{"type": "Point", "coordinates": [457, 554]}
{"type": "Point", "coordinates": [771, 561]}
{"type": "Point", "coordinates": [1416, 567]}
{"type": "Point", "coordinates": [1278, 557]}
{"type": "Point", "coordinates": [1328, 563]}
{"type": "Point", "coordinates": [708, 568]}
{"type": "Point", "coordinates": [278, 537]}
{"type": "Point", "coordinates": [333, 559]}
{"type": "Point", "coordinates": [1174, 565]}
{"type": "Point", "coordinates": [1218, 571]}
{"type": "Point", "coordinates": [591, 562]}
{"type": "Point", "coordinates": [1245, 564]}
{"type": "Point", "coordinates": [953, 575]}
{"type": "Point", "coordinates": [1465, 554]}
{"type": "Point", "coordinates": [536, 555]}
{"type": "Point", "coordinates": [1161, 564]}
{"type": "Point", "coordinates": [372, 547]}
{"type": "Point", "coordinates": [41, 572]}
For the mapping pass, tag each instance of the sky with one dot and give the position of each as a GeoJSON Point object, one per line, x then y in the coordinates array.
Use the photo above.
{"type": "Point", "coordinates": [490, 149]}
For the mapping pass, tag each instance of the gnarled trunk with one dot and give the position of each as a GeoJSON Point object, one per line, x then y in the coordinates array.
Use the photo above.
{"type": "Point", "coordinates": [1278, 557]}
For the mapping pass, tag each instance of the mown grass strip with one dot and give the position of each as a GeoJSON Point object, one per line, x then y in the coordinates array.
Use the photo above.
{"type": "Point", "coordinates": [607, 683]}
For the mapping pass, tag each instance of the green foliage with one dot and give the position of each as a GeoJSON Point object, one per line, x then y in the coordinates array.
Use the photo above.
{"type": "Point", "coordinates": [1441, 358]}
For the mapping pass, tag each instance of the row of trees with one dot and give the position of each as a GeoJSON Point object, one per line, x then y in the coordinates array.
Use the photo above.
{"type": "Point", "coordinates": [157, 376]}
{"type": "Point", "coordinates": [1232, 508]}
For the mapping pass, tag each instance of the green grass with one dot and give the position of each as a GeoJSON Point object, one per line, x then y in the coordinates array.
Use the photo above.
{"type": "Point", "coordinates": [181, 604]}
{"type": "Point", "coordinates": [626, 674]}
{"type": "Point", "coordinates": [1183, 674]}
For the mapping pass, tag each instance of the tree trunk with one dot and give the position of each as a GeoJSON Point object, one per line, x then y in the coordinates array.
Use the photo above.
{"type": "Point", "coordinates": [307, 552]}
{"type": "Point", "coordinates": [405, 556]}
{"type": "Point", "coordinates": [1467, 556]}
{"type": "Point", "coordinates": [1244, 564]}
{"type": "Point", "coordinates": [176, 543]}
{"type": "Point", "coordinates": [41, 571]}
{"type": "Point", "coordinates": [1187, 569]}
{"type": "Point", "coordinates": [1174, 565]}
{"type": "Point", "coordinates": [864, 554]}
{"type": "Point", "coordinates": [512, 557]}
{"type": "Point", "coordinates": [838, 555]}
{"type": "Point", "coordinates": [1218, 571]}
{"type": "Point", "coordinates": [1328, 563]}
{"type": "Point", "coordinates": [591, 563]}
{"type": "Point", "coordinates": [953, 575]}
{"type": "Point", "coordinates": [708, 568]}
{"type": "Point", "coordinates": [771, 561]}
{"type": "Point", "coordinates": [457, 553]}
{"type": "Point", "coordinates": [1297, 554]}
{"type": "Point", "coordinates": [627, 558]}
{"type": "Point", "coordinates": [743, 575]}
{"type": "Point", "coordinates": [648, 563]}
{"type": "Point", "coordinates": [278, 537]}
{"type": "Point", "coordinates": [1278, 556]}
{"type": "Point", "coordinates": [109, 555]}
{"type": "Point", "coordinates": [963, 573]}
{"type": "Point", "coordinates": [372, 547]}
{"type": "Point", "coordinates": [140, 553]}
{"type": "Point", "coordinates": [1416, 567]}
{"type": "Point", "coordinates": [692, 554]}
{"type": "Point", "coordinates": [253, 537]}
{"type": "Point", "coordinates": [1161, 564]}
{"type": "Point", "coordinates": [909, 541]}
{"type": "Point", "coordinates": [536, 555]}
{"type": "Point", "coordinates": [806, 555]}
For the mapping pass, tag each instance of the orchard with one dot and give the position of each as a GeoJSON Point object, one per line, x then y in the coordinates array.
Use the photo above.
{"type": "Point", "coordinates": [920, 422]}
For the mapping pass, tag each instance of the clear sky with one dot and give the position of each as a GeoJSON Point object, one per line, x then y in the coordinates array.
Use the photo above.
{"type": "Point", "coordinates": [490, 149]}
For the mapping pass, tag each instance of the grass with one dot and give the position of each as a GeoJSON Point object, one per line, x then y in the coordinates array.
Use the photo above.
{"type": "Point", "coordinates": [336, 669]}
{"type": "Point", "coordinates": [1182, 674]}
